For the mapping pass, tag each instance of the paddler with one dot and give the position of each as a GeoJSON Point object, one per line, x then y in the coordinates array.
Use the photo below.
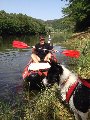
{"type": "Point", "coordinates": [41, 51]}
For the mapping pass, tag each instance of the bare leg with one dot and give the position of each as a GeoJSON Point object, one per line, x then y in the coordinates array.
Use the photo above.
{"type": "Point", "coordinates": [35, 58]}
{"type": "Point", "coordinates": [47, 57]}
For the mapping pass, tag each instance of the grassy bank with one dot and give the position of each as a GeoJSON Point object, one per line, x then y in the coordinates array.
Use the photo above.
{"type": "Point", "coordinates": [45, 105]}
{"type": "Point", "coordinates": [81, 42]}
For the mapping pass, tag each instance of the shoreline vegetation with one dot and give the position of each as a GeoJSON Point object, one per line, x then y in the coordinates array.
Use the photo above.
{"type": "Point", "coordinates": [47, 104]}
{"type": "Point", "coordinates": [81, 42]}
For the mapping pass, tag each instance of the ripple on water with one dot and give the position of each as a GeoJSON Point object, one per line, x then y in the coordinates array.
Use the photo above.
{"type": "Point", "coordinates": [12, 64]}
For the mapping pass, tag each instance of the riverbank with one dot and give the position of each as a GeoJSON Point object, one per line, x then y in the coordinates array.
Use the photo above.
{"type": "Point", "coordinates": [80, 42]}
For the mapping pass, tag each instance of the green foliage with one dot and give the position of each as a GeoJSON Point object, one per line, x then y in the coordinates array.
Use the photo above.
{"type": "Point", "coordinates": [79, 12]}
{"type": "Point", "coordinates": [44, 105]}
{"type": "Point", "coordinates": [59, 25]}
{"type": "Point", "coordinates": [18, 24]}
{"type": "Point", "coordinates": [81, 42]}
{"type": "Point", "coordinates": [84, 61]}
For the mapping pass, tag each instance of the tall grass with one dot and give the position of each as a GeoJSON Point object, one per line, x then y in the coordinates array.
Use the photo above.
{"type": "Point", "coordinates": [61, 37]}
{"type": "Point", "coordinates": [81, 43]}
{"type": "Point", "coordinates": [47, 106]}
{"type": "Point", "coordinates": [44, 105]}
{"type": "Point", "coordinates": [10, 112]}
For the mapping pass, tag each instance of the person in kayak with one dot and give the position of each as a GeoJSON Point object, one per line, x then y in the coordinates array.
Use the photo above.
{"type": "Point", "coordinates": [41, 51]}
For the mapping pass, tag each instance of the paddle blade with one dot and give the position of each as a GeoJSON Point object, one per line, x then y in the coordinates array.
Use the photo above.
{"type": "Point", "coordinates": [19, 44]}
{"type": "Point", "coordinates": [71, 53]}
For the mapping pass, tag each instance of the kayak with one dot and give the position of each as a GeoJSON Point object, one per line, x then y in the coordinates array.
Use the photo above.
{"type": "Point", "coordinates": [34, 74]}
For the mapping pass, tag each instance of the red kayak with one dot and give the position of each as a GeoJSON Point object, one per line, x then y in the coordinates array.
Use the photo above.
{"type": "Point", "coordinates": [34, 73]}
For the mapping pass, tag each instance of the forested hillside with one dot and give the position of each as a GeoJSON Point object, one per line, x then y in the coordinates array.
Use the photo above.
{"type": "Point", "coordinates": [63, 24]}
{"type": "Point", "coordinates": [76, 17]}
{"type": "Point", "coordinates": [18, 24]}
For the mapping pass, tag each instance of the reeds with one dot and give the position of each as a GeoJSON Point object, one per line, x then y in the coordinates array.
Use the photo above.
{"type": "Point", "coordinates": [44, 105]}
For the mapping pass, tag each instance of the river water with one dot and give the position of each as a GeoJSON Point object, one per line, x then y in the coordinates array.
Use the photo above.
{"type": "Point", "coordinates": [12, 63]}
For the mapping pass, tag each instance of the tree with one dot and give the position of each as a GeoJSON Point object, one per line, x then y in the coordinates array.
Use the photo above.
{"type": "Point", "coordinates": [19, 24]}
{"type": "Point", "coordinates": [79, 12]}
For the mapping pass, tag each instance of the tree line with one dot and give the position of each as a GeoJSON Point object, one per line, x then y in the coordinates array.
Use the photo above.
{"type": "Point", "coordinates": [78, 11]}
{"type": "Point", "coordinates": [19, 24]}
{"type": "Point", "coordinates": [76, 18]}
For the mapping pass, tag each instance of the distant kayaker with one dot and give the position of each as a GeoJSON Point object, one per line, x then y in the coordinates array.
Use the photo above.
{"type": "Point", "coordinates": [41, 51]}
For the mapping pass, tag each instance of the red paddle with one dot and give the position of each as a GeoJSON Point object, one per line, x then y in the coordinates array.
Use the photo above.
{"type": "Point", "coordinates": [19, 44]}
{"type": "Point", "coordinates": [70, 53]}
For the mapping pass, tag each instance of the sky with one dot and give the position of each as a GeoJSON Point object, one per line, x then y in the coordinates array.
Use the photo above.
{"type": "Point", "coordinates": [39, 9]}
